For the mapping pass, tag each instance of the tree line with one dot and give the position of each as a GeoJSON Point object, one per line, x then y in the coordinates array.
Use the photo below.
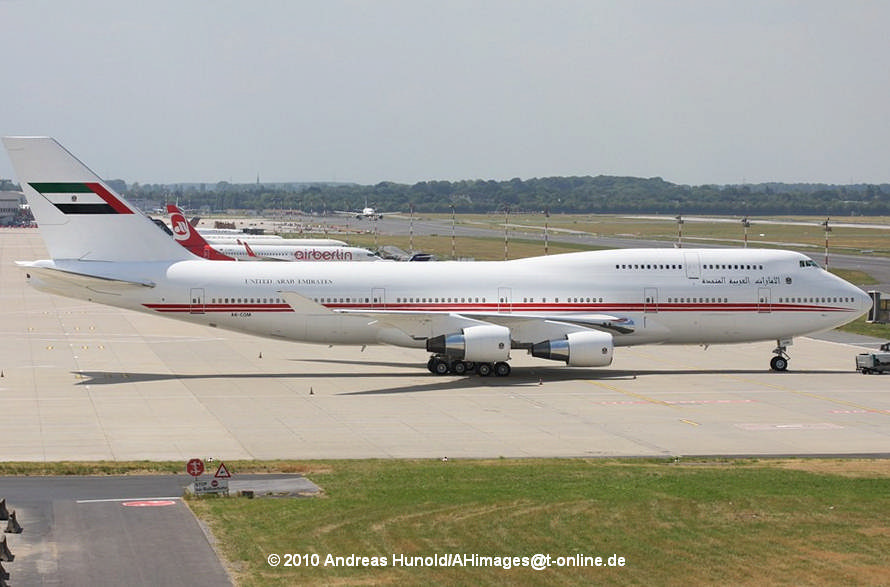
{"type": "Point", "coordinates": [600, 194]}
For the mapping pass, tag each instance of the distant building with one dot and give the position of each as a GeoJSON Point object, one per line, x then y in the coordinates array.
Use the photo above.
{"type": "Point", "coordinates": [10, 206]}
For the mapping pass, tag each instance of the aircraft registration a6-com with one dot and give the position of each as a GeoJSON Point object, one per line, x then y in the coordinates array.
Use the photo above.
{"type": "Point", "coordinates": [575, 308]}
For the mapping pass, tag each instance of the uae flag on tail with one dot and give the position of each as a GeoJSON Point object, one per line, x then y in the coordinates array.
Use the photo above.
{"type": "Point", "coordinates": [81, 198]}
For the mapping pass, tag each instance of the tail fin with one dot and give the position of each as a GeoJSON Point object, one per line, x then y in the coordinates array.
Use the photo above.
{"type": "Point", "coordinates": [190, 238]}
{"type": "Point", "coordinates": [79, 216]}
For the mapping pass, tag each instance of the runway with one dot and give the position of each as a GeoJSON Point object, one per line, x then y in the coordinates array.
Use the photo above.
{"type": "Point", "coordinates": [88, 382]}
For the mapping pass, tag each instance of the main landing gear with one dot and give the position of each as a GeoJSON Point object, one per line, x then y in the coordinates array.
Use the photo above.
{"type": "Point", "coordinates": [443, 365]}
{"type": "Point", "coordinates": [780, 361]}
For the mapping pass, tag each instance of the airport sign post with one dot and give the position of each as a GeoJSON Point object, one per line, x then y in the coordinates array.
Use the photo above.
{"type": "Point", "coordinates": [204, 485]}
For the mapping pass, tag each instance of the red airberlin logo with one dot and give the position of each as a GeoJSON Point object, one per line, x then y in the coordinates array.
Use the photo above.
{"type": "Point", "coordinates": [180, 227]}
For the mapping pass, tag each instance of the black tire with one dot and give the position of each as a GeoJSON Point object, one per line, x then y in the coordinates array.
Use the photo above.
{"type": "Point", "coordinates": [459, 368]}
{"type": "Point", "coordinates": [441, 367]}
{"type": "Point", "coordinates": [779, 363]}
{"type": "Point", "coordinates": [484, 369]}
{"type": "Point", "coordinates": [431, 364]}
{"type": "Point", "coordinates": [501, 369]}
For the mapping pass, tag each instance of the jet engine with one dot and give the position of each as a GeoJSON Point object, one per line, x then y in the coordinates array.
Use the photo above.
{"type": "Point", "coordinates": [578, 349]}
{"type": "Point", "coordinates": [485, 343]}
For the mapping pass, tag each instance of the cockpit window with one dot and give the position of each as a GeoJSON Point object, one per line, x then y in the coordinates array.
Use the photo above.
{"type": "Point", "coordinates": [808, 263]}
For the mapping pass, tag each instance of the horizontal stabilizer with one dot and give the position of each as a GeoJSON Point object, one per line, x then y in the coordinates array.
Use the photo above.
{"type": "Point", "coordinates": [53, 278]}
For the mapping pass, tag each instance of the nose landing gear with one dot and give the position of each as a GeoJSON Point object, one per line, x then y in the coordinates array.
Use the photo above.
{"type": "Point", "coordinates": [780, 361]}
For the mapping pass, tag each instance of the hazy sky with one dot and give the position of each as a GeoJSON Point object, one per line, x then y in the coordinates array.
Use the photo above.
{"type": "Point", "coordinates": [693, 91]}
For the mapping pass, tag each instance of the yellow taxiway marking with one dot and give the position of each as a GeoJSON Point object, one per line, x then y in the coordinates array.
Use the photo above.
{"type": "Point", "coordinates": [840, 402]}
{"type": "Point", "coordinates": [690, 422]}
{"type": "Point", "coordinates": [630, 393]}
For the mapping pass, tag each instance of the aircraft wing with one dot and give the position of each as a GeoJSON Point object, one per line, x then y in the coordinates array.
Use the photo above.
{"type": "Point", "coordinates": [526, 328]}
{"type": "Point", "coordinates": [604, 322]}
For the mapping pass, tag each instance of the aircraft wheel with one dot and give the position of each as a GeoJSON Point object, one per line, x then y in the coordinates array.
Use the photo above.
{"type": "Point", "coordinates": [459, 368]}
{"type": "Point", "coordinates": [501, 369]}
{"type": "Point", "coordinates": [484, 369]}
{"type": "Point", "coordinates": [441, 367]}
{"type": "Point", "coordinates": [431, 364]}
{"type": "Point", "coordinates": [779, 364]}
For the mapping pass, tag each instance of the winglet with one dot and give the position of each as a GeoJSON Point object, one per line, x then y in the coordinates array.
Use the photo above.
{"type": "Point", "coordinates": [302, 304]}
{"type": "Point", "coordinates": [247, 248]}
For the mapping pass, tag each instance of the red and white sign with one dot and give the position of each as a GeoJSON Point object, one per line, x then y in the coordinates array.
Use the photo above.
{"type": "Point", "coordinates": [195, 467]}
{"type": "Point", "coordinates": [222, 472]}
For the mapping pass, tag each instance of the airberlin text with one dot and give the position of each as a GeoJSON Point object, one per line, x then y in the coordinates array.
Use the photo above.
{"type": "Point", "coordinates": [296, 281]}
{"type": "Point", "coordinates": [537, 562]}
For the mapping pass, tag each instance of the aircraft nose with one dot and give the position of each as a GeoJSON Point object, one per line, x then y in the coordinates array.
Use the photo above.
{"type": "Point", "coordinates": [864, 301]}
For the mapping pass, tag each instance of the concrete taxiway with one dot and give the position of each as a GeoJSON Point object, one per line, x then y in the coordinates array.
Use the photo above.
{"type": "Point", "coordinates": [88, 382]}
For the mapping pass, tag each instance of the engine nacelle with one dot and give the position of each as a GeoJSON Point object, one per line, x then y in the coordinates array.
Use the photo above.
{"type": "Point", "coordinates": [578, 349]}
{"type": "Point", "coordinates": [486, 343]}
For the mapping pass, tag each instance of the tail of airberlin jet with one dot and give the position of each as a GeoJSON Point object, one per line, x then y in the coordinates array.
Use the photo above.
{"type": "Point", "coordinates": [78, 215]}
{"type": "Point", "coordinates": [189, 237]}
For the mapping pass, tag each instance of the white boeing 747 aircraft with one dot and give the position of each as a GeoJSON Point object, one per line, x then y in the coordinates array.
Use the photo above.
{"type": "Point", "coordinates": [573, 308]}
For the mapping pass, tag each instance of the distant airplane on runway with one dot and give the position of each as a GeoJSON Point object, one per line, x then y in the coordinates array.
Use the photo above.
{"type": "Point", "coordinates": [574, 308]}
{"type": "Point", "coordinates": [367, 212]}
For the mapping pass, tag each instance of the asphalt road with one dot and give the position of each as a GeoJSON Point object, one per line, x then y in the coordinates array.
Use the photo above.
{"type": "Point", "coordinates": [88, 531]}
{"type": "Point", "coordinates": [118, 530]}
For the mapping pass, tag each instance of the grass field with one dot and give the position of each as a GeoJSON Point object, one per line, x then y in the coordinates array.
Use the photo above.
{"type": "Point", "coordinates": [702, 522]}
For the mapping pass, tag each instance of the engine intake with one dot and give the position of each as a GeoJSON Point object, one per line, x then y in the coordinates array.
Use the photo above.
{"type": "Point", "coordinates": [486, 343]}
{"type": "Point", "coordinates": [578, 349]}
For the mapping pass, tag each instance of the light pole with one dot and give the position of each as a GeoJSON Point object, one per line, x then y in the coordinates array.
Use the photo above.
{"type": "Point", "coordinates": [827, 232]}
{"type": "Point", "coordinates": [747, 225]}
{"type": "Point", "coordinates": [679, 231]}
{"type": "Point", "coordinates": [452, 233]}
{"type": "Point", "coordinates": [546, 220]}
{"type": "Point", "coordinates": [411, 230]}
{"type": "Point", "coordinates": [506, 221]}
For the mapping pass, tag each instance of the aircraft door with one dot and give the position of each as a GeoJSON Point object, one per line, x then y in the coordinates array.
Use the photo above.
{"type": "Point", "coordinates": [693, 265]}
{"type": "Point", "coordinates": [505, 299]}
{"type": "Point", "coordinates": [196, 303]}
{"type": "Point", "coordinates": [764, 304]}
{"type": "Point", "coordinates": [650, 300]}
{"type": "Point", "coordinates": [378, 298]}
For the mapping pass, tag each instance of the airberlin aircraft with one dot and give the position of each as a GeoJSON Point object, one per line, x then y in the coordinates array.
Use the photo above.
{"type": "Point", "coordinates": [187, 236]}
{"type": "Point", "coordinates": [574, 308]}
